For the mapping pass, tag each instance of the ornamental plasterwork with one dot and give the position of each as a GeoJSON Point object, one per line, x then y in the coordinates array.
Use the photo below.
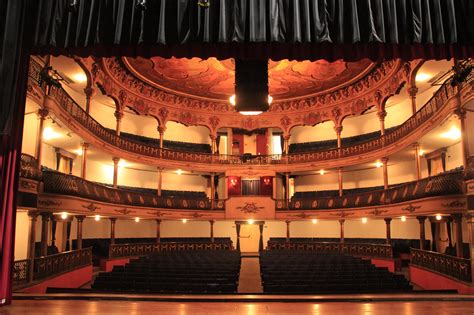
{"type": "Point", "coordinates": [373, 89]}
{"type": "Point", "coordinates": [250, 208]}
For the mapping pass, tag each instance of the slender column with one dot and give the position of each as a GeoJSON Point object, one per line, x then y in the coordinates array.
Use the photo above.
{"type": "Point", "coordinates": [413, 91]}
{"type": "Point", "coordinates": [85, 147]}
{"type": "Point", "coordinates": [417, 160]}
{"type": "Point", "coordinates": [161, 130]}
{"type": "Point", "coordinates": [341, 222]}
{"type": "Point", "coordinates": [287, 230]}
{"type": "Point", "coordinates": [260, 240]}
{"type": "Point", "coordinates": [45, 217]}
{"type": "Point", "coordinates": [382, 114]}
{"type": "Point", "coordinates": [33, 215]}
{"type": "Point", "coordinates": [339, 175]}
{"type": "Point", "coordinates": [389, 234]}
{"type": "Point", "coordinates": [116, 164]}
{"type": "Point", "coordinates": [421, 220]}
{"type": "Point", "coordinates": [89, 92]}
{"type": "Point", "coordinates": [338, 130]}
{"type": "Point", "coordinates": [160, 179]}
{"type": "Point", "coordinates": [461, 113]}
{"type": "Point", "coordinates": [458, 237]}
{"type": "Point", "coordinates": [213, 190]}
{"type": "Point", "coordinates": [118, 118]}
{"type": "Point", "coordinates": [286, 145]}
{"type": "Point", "coordinates": [213, 143]}
{"type": "Point", "coordinates": [211, 231]}
{"type": "Point", "coordinates": [42, 114]}
{"type": "Point", "coordinates": [385, 173]}
{"type": "Point", "coordinates": [237, 230]}
{"type": "Point", "coordinates": [158, 230]}
{"type": "Point", "coordinates": [112, 230]}
{"type": "Point", "coordinates": [287, 187]}
{"type": "Point", "coordinates": [274, 190]}
{"type": "Point", "coordinates": [80, 219]}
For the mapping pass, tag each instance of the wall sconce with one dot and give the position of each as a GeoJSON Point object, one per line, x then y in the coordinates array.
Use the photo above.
{"type": "Point", "coordinates": [266, 181]}
{"type": "Point", "coordinates": [233, 181]}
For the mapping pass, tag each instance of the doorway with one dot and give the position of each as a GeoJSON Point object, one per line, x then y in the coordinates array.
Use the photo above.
{"type": "Point", "coordinates": [249, 238]}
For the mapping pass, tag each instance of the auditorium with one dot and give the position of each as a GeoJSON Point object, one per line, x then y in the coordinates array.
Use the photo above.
{"type": "Point", "coordinates": [237, 156]}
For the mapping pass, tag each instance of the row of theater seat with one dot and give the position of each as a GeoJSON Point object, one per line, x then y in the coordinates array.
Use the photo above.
{"type": "Point", "coordinates": [175, 272]}
{"type": "Point", "coordinates": [185, 194]}
{"type": "Point", "coordinates": [306, 272]}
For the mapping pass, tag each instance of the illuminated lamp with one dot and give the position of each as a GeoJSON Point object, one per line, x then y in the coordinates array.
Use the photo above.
{"type": "Point", "coordinates": [233, 181]}
{"type": "Point", "coordinates": [438, 217]}
{"type": "Point", "coordinates": [97, 217]}
{"type": "Point", "coordinates": [403, 218]}
{"type": "Point", "coordinates": [184, 220]}
{"type": "Point", "coordinates": [314, 221]}
{"type": "Point", "coordinates": [250, 221]}
{"type": "Point", "coordinates": [137, 219]}
{"type": "Point", "coordinates": [64, 215]}
{"type": "Point", "coordinates": [266, 181]}
{"type": "Point", "coordinates": [364, 220]}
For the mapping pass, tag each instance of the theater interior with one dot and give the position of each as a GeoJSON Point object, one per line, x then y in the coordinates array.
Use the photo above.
{"type": "Point", "coordinates": [237, 157]}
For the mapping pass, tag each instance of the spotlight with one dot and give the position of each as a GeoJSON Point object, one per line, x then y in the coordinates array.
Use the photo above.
{"type": "Point", "coordinates": [64, 215]}
{"type": "Point", "coordinates": [97, 217]}
{"type": "Point", "coordinates": [364, 220]}
{"type": "Point", "coordinates": [438, 217]}
{"type": "Point", "coordinates": [403, 218]}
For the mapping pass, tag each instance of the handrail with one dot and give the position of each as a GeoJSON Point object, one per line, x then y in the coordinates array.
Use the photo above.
{"type": "Point", "coordinates": [365, 250]}
{"type": "Point", "coordinates": [458, 268]}
{"type": "Point", "coordinates": [20, 271]}
{"type": "Point", "coordinates": [130, 250]}
{"type": "Point", "coordinates": [444, 184]}
{"type": "Point", "coordinates": [47, 266]}
{"type": "Point", "coordinates": [29, 167]}
{"type": "Point", "coordinates": [422, 115]}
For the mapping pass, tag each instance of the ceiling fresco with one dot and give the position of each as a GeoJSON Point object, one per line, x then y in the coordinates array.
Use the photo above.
{"type": "Point", "coordinates": [214, 79]}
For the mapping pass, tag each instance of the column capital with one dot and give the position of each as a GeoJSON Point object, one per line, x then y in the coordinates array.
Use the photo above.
{"type": "Point", "coordinates": [382, 114]}
{"type": "Point", "coordinates": [387, 220]}
{"type": "Point", "coordinates": [113, 220]}
{"type": "Point", "coordinates": [341, 221]}
{"type": "Point", "coordinates": [158, 221]}
{"type": "Point", "coordinates": [85, 145]}
{"type": "Point", "coordinates": [116, 160]}
{"type": "Point", "coordinates": [45, 216]}
{"type": "Point", "coordinates": [457, 217]}
{"type": "Point", "coordinates": [33, 214]}
{"type": "Point", "coordinates": [161, 129]}
{"type": "Point", "coordinates": [460, 112]}
{"type": "Point", "coordinates": [160, 169]}
{"type": "Point", "coordinates": [287, 222]}
{"type": "Point", "coordinates": [415, 145]}
{"type": "Point", "coordinates": [212, 222]}
{"type": "Point", "coordinates": [89, 91]}
{"type": "Point", "coordinates": [212, 136]}
{"type": "Point", "coordinates": [286, 137]}
{"type": "Point", "coordinates": [340, 169]}
{"type": "Point", "coordinates": [80, 218]}
{"type": "Point", "coordinates": [412, 91]}
{"type": "Point", "coordinates": [421, 219]}
{"type": "Point", "coordinates": [384, 160]}
{"type": "Point", "coordinates": [42, 113]}
{"type": "Point", "coordinates": [119, 114]}
{"type": "Point", "coordinates": [338, 129]}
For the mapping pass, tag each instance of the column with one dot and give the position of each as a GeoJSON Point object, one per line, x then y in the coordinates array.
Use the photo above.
{"type": "Point", "coordinates": [287, 230]}
{"type": "Point", "coordinates": [286, 145]}
{"type": "Point", "coordinates": [237, 230]}
{"type": "Point", "coordinates": [89, 92]}
{"type": "Point", "coordinates": [389, 234]}
{"type": "Point", "coordinates": [85, 147]}
{"type": "Point", "coordinates": [412, 92]}
{"type": "Point", "coordinates": [385, 172]}
{"type": "Point", "coordinates": [338, 130]}
{"type": "Point", "coordinates": [213, 190]}
{"type": "Point", "coordinates": [42, 114]}
{"type": "Point", "coordinates": [116, 164]}
{"type": "Point", "coordinates": [458, 236]}
{"type": "Point", "coordinates": [421, 220]}
{"type": "Point", "coordinates": [80, 219]}
{"type": "Point", "coordinates": [45, 217]}
{"type": "Point", "coordinates": [339, 174]}
{"type": "Point", "coordinates": [417, 160]}
{"type": "Point", "coordinates": [461, 113]}
{"type": "Point", "coordinates": [260, 241]}
{"type": "Point", "coordinates": [213, 143]}
{"type": "Point", "coordinates": [211, 232]}
{"type": "Point", "coordinates": [161, 130]}
{"type": "Point", "coordinates": [382, 114]}
{"type": "Point", "coordinates": [274, 183]}
{"type": "Point", "coordinates": [160, 179]}
{"type": "Point", "coordinates": [112, 230]}
{"type": "Point", "coordinates": [118, 118]}
{"type": "Point", "coordinates": [341, 222]}
{"type": "Point", "coordinates": [33, 215]}
{"type": "Point", "coordinates": [158, 230]}
{"type": "Point", "coordinates": [287, 187]}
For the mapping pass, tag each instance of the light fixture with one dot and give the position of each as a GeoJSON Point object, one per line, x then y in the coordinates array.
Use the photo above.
{"type": "Point", "coordinates": [403, 218]}
{"type": "Point", "coordinates": [79, 77]}
{"type": "Point", "coordinates": [49, 134]}
{"type": "Point", "coordinates": [232, 100]}
{"type": "Point", "coordinates": [422, 77]}
{"type": "Point", "coordinates": [137, 219]}
{"type": "Point", "coordinates": [184, 220]}
{"type": "Point", "coordinates": [322, 172]}
{"type": "Point", "coordinates": [64, 215]}
{"type": "Point", "coordinates": [122, 163]}
{"type": "Point", "coordinates": [97, 217]}
{"type": "Point", "coordinates": [314, 221]}
{"type": "Point", "coordinates": [250, 221]}
{"type": "Point", "coordinates": [364, 220]}
{"type": "Point", "coordinates": [421, 152]}
{"type": "Point", "coordinates": [438, 217]}
{"type": "Point", "coordinates": [453, 134]}
{"type": "Point", "coordinates": [251, 87]}
{"type": "Point", "coordinates": [266, 181]}
{"type": "Point", "coordinates": [378, 164]}
{"type": "Point", "coordinates": [78, 152]}
{"type": "Point", "coordinates": [179, 171]}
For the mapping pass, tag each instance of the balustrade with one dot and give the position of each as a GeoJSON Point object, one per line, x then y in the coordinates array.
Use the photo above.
{"type": "Point", "coordinates": [458, 268]}
{"type": "Point", "coordinates": [29, 167]}
{"type": "Point", "coordinates": [20, 271]}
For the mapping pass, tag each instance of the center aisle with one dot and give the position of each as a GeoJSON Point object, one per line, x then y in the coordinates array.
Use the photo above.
{"type": "Point", "coordinates": [250, 280]}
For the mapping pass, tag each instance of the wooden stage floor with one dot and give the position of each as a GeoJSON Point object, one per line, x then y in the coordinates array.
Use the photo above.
{"type": "Point", "coordinates": [104, 304]}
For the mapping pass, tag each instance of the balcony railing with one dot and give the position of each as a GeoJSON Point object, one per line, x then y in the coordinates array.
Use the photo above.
{"type": "Point", "coordinates": [131, 250]}
{"type": "Point", "coordinates": [29, 167]}
{"type": "Point", "coordinates": [68, 104]}
{"type": "Point", "coordinates": [363, 250]}
{"type": "Point", "coordinates": [20, 272]}
{"type": "Point", "coordinates": [458, 268]}
{"type": "Point", "coordinates": [441, 185]}
{"type": "Point", "coordinates": [62, 184]}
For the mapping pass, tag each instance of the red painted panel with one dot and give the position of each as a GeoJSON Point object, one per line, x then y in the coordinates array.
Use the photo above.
{"type": "Point", "coordinates": [432, 281]}
{"type": "Point", "coordinates": [266, 186]}
{"type": "Point", "coordinates": [72, 280]}
{"type": "Point", "coordinates": [238, 142]}
{"type": "Point", "coordinates": [262, 144]}
{"type": "Point", "coordinates": [388, 263]}
{"type": "Point", "coordinates": [234, 186]}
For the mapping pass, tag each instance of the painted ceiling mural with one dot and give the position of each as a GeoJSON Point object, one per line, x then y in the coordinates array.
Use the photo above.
{"type": "Point", "coordinates": [214, 79]}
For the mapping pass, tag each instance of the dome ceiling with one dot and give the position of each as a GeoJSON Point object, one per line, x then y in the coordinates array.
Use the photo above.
{"type": "Point", "coordinates": [214, 79]}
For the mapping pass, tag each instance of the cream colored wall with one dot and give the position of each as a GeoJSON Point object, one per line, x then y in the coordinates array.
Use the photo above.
{"type": "Point", "coordinates": [29, 134]}
{"type": "Point", "coordinates": [21, 235]}
{"type": "Point", "coordinates": [250, 144]}
{"type": "Point", "coordinates": [193, 134]}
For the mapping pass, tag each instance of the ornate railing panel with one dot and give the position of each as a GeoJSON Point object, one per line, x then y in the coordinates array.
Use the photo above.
{"type": "Point", "coordinates": [48, 266]}
{"type": "Point", "coordinates": [438, 100]}
{"type": "Point", "coordinates": [20, 271]}
{"type": "Point", "coordinates": [458, 268]}
{"type": "Point", "coordinates": [445, 184]}
{"type": "Point", "coordinates": [58, 183]}
{"type": "Point", "coordinates": [365, 250]}
{"type": "Point", "coordinates": [129, 250]}
{"type": "Point", "coordinates": [29, 167]}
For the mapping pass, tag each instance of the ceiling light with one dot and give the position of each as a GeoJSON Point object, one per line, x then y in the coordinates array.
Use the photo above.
{"type": "Point", "coordinates": [184, 220]}
{"type": "Point", "coordinates": [49, 133]}
{"type": "Point", "coordinates": [137, 219]}
{"type": "Point", "coordinates": [97, 217]}
{"type": "Point", "coordinates": [364, 220]}
{"type": "Point", "coordinates": [179, 172]}
{"type": "Point", "coordinates": [255, 113]}
{"type": "Point", "coordinates": [78, 152]}
{"type": "Point", "coordinates": [270, 100]}
{"type": "Point", "coordinates": [64, 215]}
{"type": "Point", "coordinates": [79, 77]}
{"type": "Point", "coordinates": [122, 163]}
{"type": "Point", "coordinates": [421, 152]}
{"type": "Point", "coordinates": [422, 77]}
{"type": "Point", "coordinates": [453, 134]}
{"type": "Point", "coordinates": [403, 218]}
{"type": "Point", "coordinates": [322, 172]}
{"type": "Point", "coordinates": [438, 217]}
{"type": "Point", "coordinates": [250, 221]}
{"type": "Point", "coordinates": [232, 100]}
{"type": "Point", "coordinates": [378, 164]}
{"type": "Point", "coordinates": [314, 221]}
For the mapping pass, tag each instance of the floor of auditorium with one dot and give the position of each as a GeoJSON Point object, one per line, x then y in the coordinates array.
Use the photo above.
{"type": "Point", "coordinates": [453, 305]}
